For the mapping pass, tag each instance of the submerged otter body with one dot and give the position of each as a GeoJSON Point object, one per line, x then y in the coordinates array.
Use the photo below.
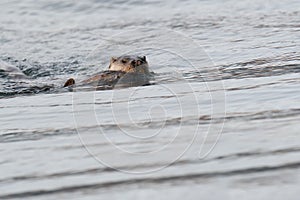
{"type": "Point", "coordinates": [123, 71]}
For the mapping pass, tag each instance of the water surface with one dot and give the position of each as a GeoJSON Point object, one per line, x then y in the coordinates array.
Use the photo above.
{"type": "Point", "coordinates": [221, 119]}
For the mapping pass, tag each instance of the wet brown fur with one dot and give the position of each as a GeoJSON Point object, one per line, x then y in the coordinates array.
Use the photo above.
{"type": "Point", "coordinates": [118, 67]}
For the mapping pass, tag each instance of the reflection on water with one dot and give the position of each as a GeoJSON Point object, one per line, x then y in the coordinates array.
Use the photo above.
{"type": "Point", "coordinates": [220, 67]}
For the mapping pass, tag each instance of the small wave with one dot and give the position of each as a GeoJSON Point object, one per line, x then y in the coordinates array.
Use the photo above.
{"type": "Point", "coordinates": [22, 135]}
{"type": "Point", "coordinates": [24, 77]}
{"type": "Point", "coordinates": [152, 180]}
{"type": "Point", "coordinates": [51, 71]}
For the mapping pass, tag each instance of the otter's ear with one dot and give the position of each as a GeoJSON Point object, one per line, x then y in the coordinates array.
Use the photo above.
{"type": "Point", "coordinates": [113, 59]}
{"type": "Point", "coordinates": [144, 58]}
{"type": "Point", "coordinates": [69, 82]}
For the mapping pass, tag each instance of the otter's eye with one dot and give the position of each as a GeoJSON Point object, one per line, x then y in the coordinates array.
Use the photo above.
{"type": "Point", "coordinates": [123, 61]}
{"type": "Point", "coordinates": [139, 62]}
{"type": "Point", "coordinates": [133, 63]}
{"type": "Point", "coordinates": [113, 59]}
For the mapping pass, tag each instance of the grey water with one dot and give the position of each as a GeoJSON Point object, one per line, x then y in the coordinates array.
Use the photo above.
{"type": "Point", "coordinates": [220, 120]}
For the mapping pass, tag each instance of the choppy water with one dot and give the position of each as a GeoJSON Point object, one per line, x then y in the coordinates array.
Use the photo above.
{"type": "Point", "coordinates": [221, 119]}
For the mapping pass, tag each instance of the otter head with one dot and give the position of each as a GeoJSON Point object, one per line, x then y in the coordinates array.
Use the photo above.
{"type": "Point", "coordinates": [137, 64]}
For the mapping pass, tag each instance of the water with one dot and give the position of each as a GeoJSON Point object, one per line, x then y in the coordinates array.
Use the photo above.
{"type": "Point", "coordinates": [221, 119]}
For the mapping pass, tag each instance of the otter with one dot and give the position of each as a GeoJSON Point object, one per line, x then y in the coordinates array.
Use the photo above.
{"type": "Point", "coordinates": [129, 64]}
{"type": "Point", "coordinates": [122, 71]}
